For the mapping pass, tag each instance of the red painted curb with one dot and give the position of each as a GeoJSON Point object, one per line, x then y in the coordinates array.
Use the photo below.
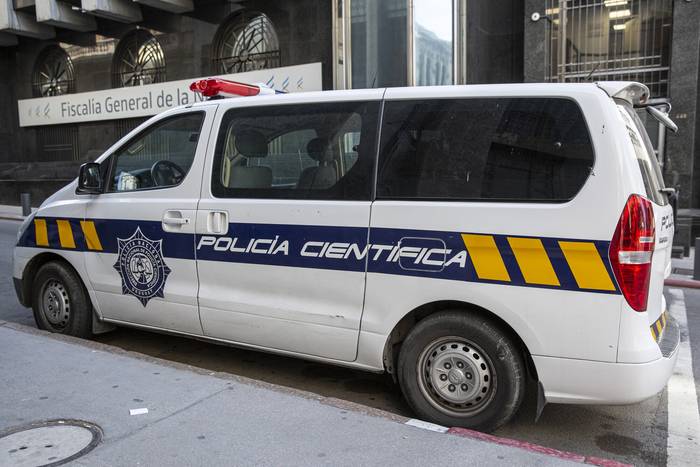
{"type": "Point", "coordinates": [466, 433]}
{"type": "Point", "coordinates": [689, 283]}
{"type": "Point", "coordinates": [605, 462]}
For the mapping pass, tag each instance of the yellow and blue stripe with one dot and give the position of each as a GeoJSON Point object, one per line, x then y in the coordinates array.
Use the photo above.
{"type": "Point", "coordinates": [658, 326]}
{"type": "Point", "coordinates": [67, 234]}
{"type": "Point", "coordinates": [542, 262]}
{"type": "Point", "coordinates": [567, 264]}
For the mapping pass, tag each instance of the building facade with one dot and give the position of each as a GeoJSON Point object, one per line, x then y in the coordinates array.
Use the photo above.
{"type": "Point", "coordinates": [71, 48]}
{"type": "Point", "coordinates": [656, 42]}
{"type": "Point", "coordinates": [155, 45]}
{"type": "Point", "coordinates": [74, 47]}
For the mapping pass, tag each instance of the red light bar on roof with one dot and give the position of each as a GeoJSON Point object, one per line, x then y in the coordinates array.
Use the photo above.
{"type": "Point", "coordinates": [212, 87]}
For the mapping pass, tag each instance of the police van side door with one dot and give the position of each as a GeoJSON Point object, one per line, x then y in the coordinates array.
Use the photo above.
{"type": "Point", "coordinates": [140, 231]}
{"type": "Point", "coordinates": [283, 222]}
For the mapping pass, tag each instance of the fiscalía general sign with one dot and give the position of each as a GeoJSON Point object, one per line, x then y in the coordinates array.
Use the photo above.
{"type": "Point", "coordinates": [151, 99]}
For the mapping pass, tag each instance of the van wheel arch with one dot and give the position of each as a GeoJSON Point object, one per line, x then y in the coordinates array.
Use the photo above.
{"type": "Point", "coordinates": [404, 326]}
{"type": "Point", "coordinates": [31, 269]}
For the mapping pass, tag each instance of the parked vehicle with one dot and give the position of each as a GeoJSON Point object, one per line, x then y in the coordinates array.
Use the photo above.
{"type": "Point", "coordinates": [466, 239]}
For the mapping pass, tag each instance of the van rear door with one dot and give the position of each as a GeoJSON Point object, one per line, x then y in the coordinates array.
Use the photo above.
{"type": "Point", "coordinates": [663, 211]}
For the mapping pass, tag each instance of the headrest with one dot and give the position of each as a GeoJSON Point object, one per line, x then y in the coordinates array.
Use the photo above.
{"type": "Point", "coordinates": [317, 149]}
{"type": "Point", "coordinates": [251, 143]}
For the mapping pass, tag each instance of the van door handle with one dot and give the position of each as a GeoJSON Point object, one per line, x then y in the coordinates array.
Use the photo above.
{"type": "Point", "coordinates": [217, 222]}
{"type": "Point", "coordinates": [174, 221]}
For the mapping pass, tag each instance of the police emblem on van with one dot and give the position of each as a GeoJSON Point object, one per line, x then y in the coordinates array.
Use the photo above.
{"type": "Point", "coordinates": [141, 267]}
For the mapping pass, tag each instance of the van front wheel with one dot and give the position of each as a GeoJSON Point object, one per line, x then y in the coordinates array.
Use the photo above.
{"type": "Point", "coordinates": [60, 302]}
{"type": "Point", "coordinates": [458, 368]}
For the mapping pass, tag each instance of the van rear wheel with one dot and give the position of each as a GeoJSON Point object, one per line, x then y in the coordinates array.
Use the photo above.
{"type": "Point", "coordinates": [60, 302]}
{"type": "Point", "coordinates": [457, 368]}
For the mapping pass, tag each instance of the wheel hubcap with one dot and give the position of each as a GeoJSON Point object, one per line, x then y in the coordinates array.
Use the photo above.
{"type": "Point", "coordinates": [456, 376]}
{"type": "Point", "coordinates": [55, 303]}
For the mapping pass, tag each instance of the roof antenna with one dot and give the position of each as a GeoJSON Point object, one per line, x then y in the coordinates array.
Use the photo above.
{"type": "Point", "coordinates": [374, 80]}
{"type": "Point", "coordinates": [588, 78]}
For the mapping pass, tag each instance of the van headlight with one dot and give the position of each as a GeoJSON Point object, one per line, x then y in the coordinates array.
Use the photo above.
{"type": "Point", "coordinates": [25, 223]}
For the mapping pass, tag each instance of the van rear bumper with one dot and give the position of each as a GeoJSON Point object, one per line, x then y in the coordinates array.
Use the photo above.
{"type": "Point", "coordinates": [571, 381]}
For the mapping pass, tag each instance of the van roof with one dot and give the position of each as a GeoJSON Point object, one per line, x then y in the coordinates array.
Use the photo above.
{"type": "Point", "coordinates": [633, 92]}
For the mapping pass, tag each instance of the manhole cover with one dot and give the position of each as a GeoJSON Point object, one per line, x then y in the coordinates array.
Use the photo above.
{"type": "Point", "coordinates": [53, 442]}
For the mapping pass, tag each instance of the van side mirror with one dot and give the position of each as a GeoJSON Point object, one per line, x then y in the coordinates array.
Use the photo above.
{"type": "Point", "coordinates": [89, 179]}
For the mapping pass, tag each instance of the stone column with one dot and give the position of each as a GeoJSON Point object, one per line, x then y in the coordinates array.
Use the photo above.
{"type": "Point", "coordinates": [534, 43]}
{"type": "Point", "coordinates": [682, 148]}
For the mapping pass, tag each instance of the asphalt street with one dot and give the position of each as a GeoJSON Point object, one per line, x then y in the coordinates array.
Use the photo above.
{"type": "Point", "coordinates": [636, 434]}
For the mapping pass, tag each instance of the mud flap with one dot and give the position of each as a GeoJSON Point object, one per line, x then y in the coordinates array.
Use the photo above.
{"type": "Point", "coordinates": [541, 401]}
{"type": "Point", "coordinates": [100, 327]}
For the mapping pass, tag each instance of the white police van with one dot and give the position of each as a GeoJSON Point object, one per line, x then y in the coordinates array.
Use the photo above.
{"type": "Point", "coordinates": [470, 240]}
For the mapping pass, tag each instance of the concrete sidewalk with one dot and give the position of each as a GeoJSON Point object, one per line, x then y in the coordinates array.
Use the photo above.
{"type": "Point", "coordinates": [200, 418]}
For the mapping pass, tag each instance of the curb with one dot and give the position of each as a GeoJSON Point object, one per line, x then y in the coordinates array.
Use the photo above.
{"type": "Point", "coordinates": [514, 443]}
{"type": "Point", "coordinates": [10, 217]}
{"type": "Point", "coordinates": [564, 455]}
{"type": "Point", "coordinates": [685, 283]}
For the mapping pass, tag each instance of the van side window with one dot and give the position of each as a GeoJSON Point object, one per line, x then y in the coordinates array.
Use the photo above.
{"type": "Point", "coordinates": [298, 151]}
{"type": "Point", "coordinates": [158, 157]}
{"type": "Point", "coordinates": [507, 149]}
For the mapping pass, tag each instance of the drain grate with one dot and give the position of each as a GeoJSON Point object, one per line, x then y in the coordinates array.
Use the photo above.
{"type": "Point", "coordinates": [49, 443]}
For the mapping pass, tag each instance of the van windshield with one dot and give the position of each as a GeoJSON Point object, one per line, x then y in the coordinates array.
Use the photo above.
{"type": "Point", "coordinates": [646, 157]}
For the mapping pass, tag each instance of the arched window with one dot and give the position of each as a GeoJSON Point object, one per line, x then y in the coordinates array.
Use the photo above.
{"type": "Point", "coordinates": [138, 59]}
{"type": "Point", "coordinates": [53, 73]}
{"type": "Point", "coordinates": [245, 41]}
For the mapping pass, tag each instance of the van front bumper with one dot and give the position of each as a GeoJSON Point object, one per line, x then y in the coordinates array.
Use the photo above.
{"type": "Point", "coordinates": [20, 258]}
{"type": "Point", "coordinates": [572, 381]}
{"type": "Point", "coordinates": [18, 290]}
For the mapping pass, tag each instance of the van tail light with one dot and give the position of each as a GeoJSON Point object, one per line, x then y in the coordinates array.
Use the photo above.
{"type": "Point", "coordinates": [631, 251]}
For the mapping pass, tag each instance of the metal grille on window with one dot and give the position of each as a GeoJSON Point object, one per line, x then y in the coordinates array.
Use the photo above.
{"type": "Point", "coordinates": [246, 41]}
{"type": "Point", "coordinates": [53, 73]}
{"type": "Point", "coordinates": [57, 143]}
{"type": "Point", "coordinates": [626, 40]}
{"type": "Point", "coordinates": [138, 59]}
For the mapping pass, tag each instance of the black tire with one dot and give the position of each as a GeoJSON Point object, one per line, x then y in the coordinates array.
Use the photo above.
{"type": "Point", "coordinates": [58, 284]}
{"type": "Point", "coordinates": [489, 385]}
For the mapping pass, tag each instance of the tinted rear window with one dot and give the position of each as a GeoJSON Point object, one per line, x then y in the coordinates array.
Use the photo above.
{"type": "Point", "coordinates": [646, 156]}
{"type": "Point", "coordinates": [508, 149]}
